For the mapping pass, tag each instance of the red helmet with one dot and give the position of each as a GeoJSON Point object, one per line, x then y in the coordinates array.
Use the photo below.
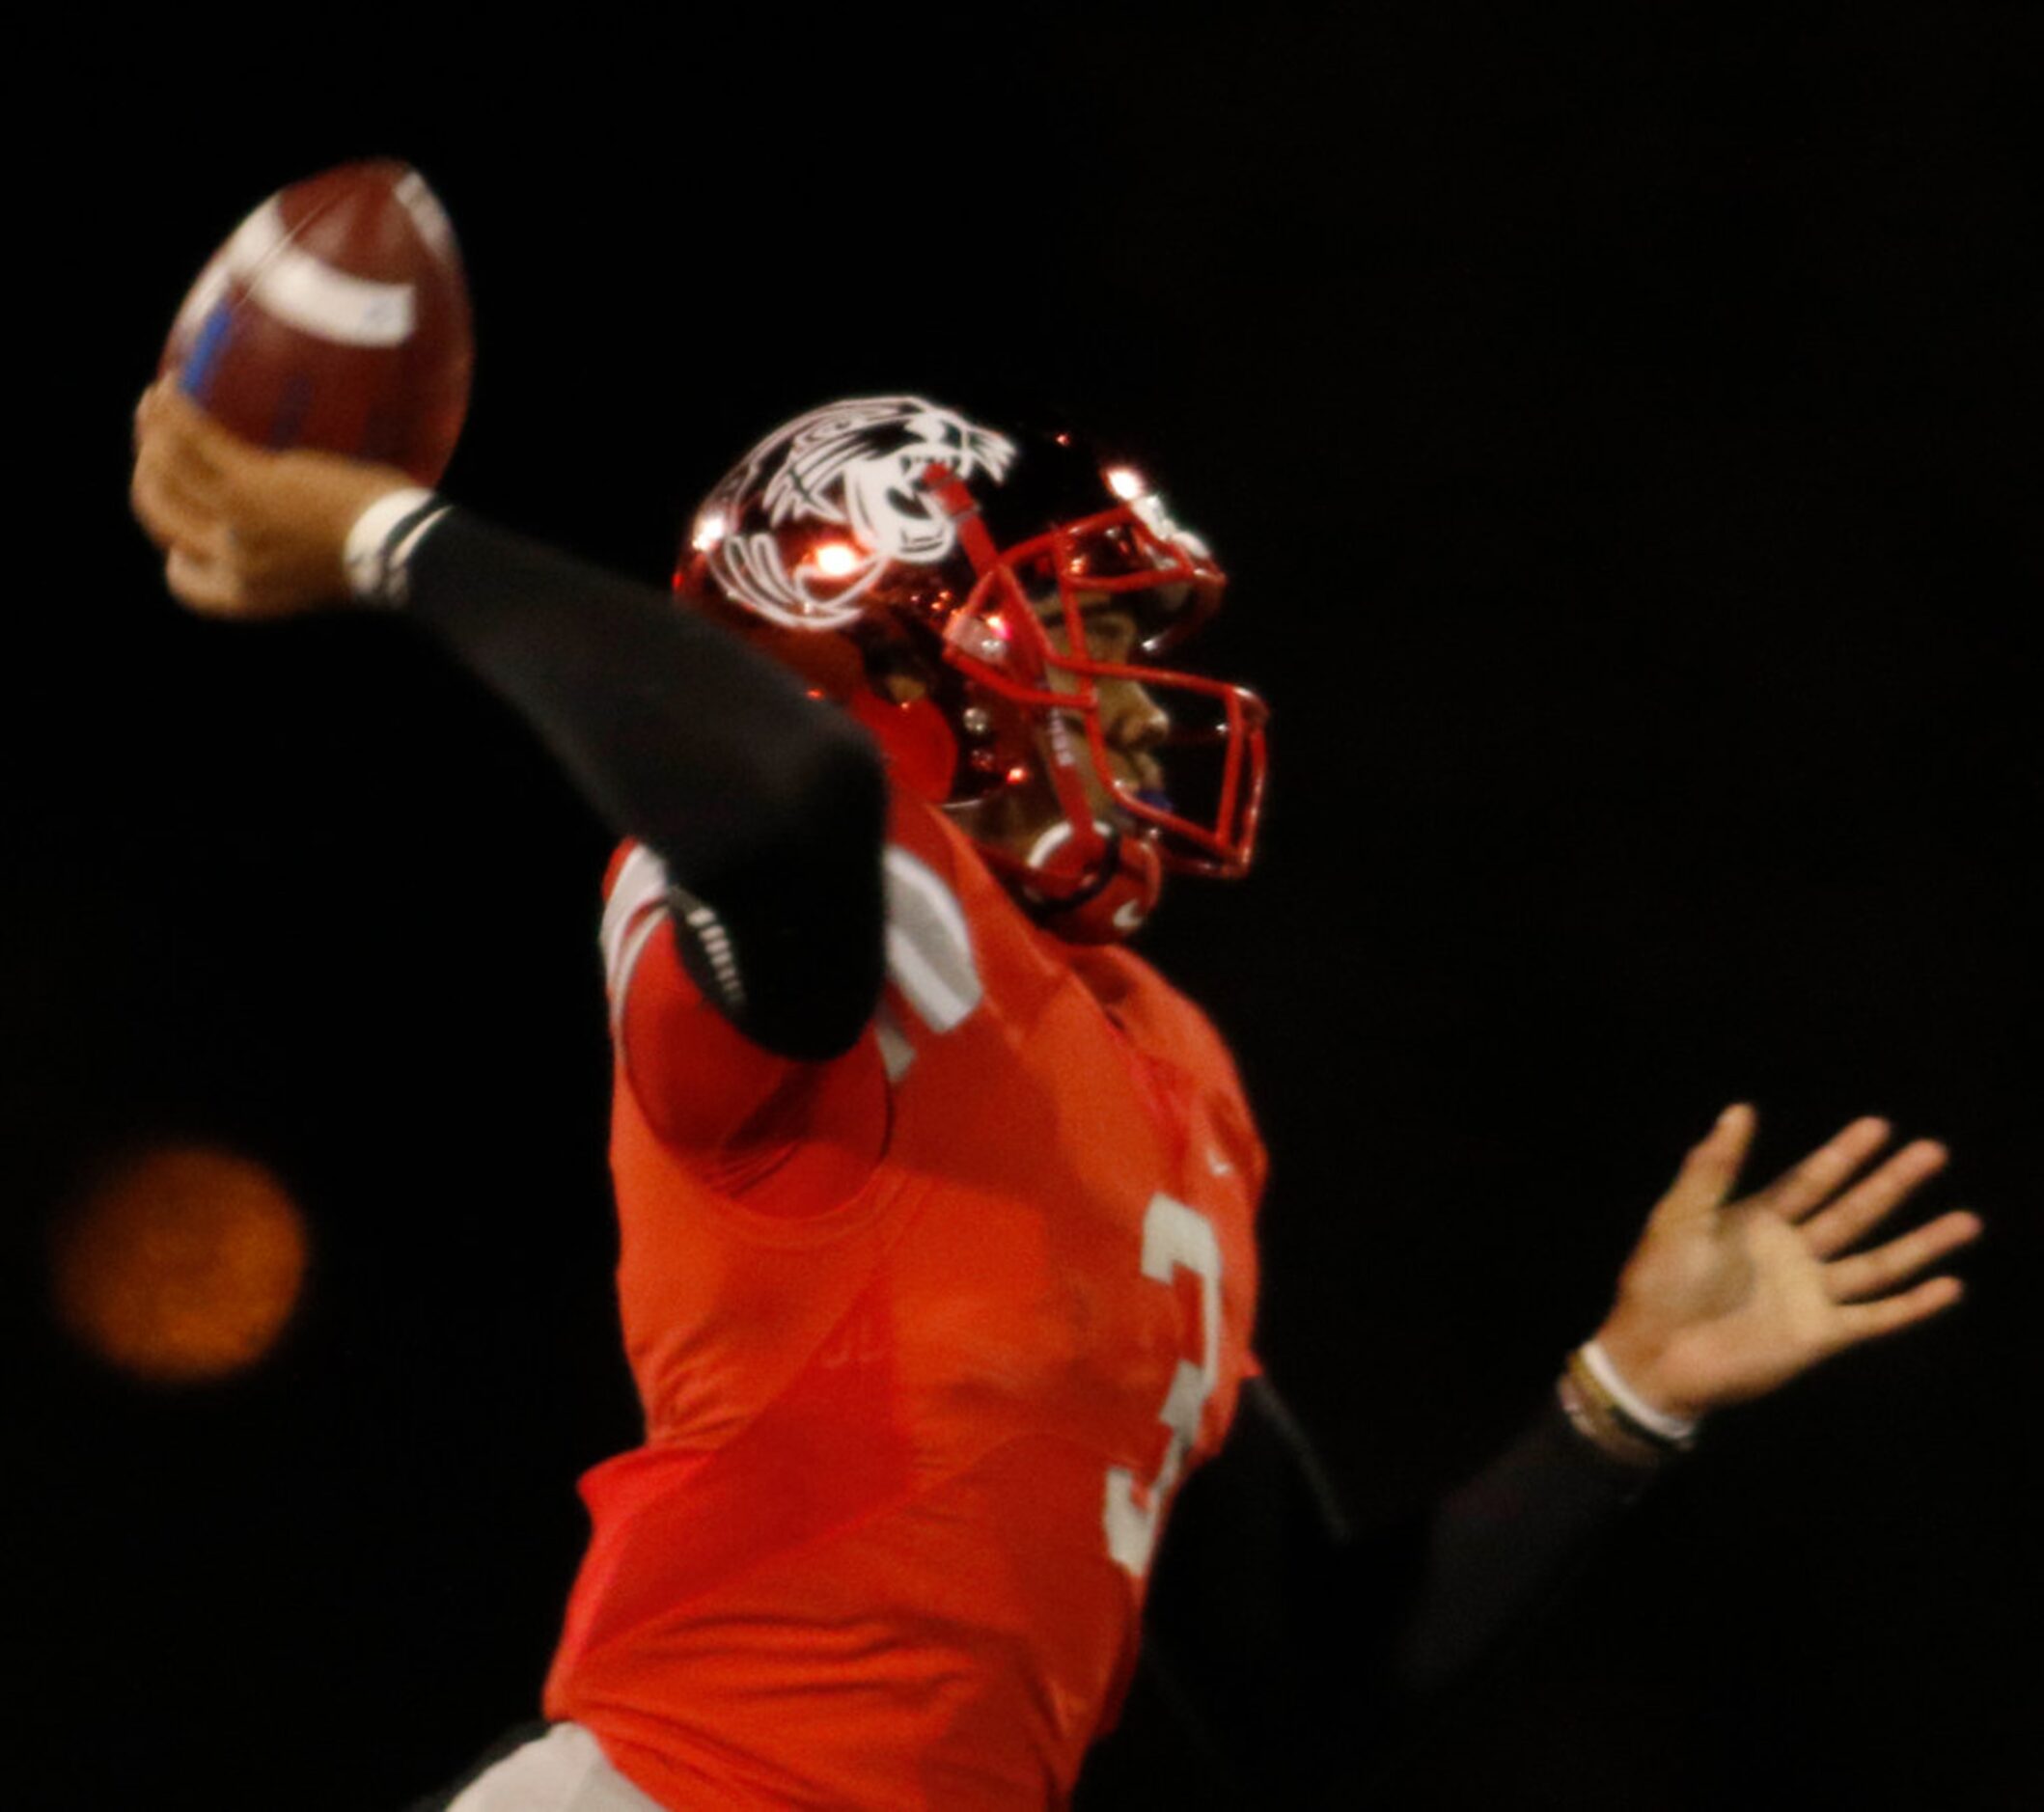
{"type": "Point", "coordinates": [989, 605]}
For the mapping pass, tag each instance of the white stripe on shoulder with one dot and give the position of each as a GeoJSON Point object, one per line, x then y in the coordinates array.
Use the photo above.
{"type": "Point", "coordinates": [635, 942]}
{"type": "Point", "coordinates": [630, 915]}
{"type": "Point", "coordinates": [897, 1053]}
{"type": "Point", "coordinates": [930, 953]}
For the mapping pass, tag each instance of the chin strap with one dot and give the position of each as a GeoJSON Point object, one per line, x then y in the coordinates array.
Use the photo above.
{"type": "Point", "coordinates": [1116, 903]}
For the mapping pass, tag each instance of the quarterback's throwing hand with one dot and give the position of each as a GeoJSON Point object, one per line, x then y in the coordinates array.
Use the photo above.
{"type": "Point", "coordinates": [1723, 1300]}
{"type": "Point", "coordinates": [245, 532]}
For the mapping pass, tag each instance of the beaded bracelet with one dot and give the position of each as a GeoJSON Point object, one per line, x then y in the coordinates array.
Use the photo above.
{"type": "Point", "coordinates": [1601, 1420]}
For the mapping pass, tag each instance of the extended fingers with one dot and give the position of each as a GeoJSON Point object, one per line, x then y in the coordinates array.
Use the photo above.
{"type": "Point", "coordinates": [1890, 1314]}
{"type": "Point", "coordinates": [1863, 1207]}
{"type": "Point", "coordinates": [1820, 1175]}
{"type": "Point", "coordinates": [1876, 1273]}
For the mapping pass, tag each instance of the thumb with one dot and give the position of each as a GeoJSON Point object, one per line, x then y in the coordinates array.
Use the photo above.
{"type": "Point", "coordinates": [1712, 1167]}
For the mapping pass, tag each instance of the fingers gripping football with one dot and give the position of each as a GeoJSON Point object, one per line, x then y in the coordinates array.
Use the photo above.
{"type": "Point", "coordinates": [245, 532]}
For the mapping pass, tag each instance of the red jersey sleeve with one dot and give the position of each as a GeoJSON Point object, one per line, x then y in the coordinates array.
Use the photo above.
{"type": "Point", "coordinates": [785, 1137]}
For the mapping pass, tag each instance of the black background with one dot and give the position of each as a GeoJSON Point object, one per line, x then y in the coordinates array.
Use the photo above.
{"type": "Point", "coordinates": [1620, 426]}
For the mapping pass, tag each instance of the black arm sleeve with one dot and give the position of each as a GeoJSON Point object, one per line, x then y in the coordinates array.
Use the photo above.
{"type": "Point", "coordinates": [1504, 1547]}
{"type": "Point", "coordinates": [766, 807]}
{"type": "Point", "coordinates": [1288, 1661]}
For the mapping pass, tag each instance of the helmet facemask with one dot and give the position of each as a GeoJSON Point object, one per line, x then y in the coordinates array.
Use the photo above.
{"type": "Point", "coordinates": [1057, 628]}
{"type": "Point", "coordinates": [1010, 681]}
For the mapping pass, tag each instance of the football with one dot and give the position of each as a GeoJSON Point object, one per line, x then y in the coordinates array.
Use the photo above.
{"type": "Point", "coordinates": [335, 317]}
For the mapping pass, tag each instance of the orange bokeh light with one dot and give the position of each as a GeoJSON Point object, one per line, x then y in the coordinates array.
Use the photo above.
{"type": "Point", "coordinates": [183, 1264]}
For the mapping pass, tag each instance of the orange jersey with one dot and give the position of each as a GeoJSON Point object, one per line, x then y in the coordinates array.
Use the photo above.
{"type": "Point", "coordinates": [925, 1338]}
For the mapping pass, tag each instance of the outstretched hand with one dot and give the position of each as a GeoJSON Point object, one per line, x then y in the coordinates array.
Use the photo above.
{"type": "Point", "coordinates": [1723, 1300]}
{"type": "Point", "coordinates": [245, 532]}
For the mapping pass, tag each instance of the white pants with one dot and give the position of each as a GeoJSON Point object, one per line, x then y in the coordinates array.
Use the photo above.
{"type": "Point", "coordinates": [562, 1772]}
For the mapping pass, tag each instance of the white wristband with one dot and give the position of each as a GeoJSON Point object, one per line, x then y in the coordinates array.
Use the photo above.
{"type": "Point", "coordinates": [380, 545]}
{"type": "Point", "coordinates": [1669, 1427]}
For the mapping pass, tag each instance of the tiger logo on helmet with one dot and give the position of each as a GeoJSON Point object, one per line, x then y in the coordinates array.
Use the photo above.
{"type": "Point", "coordinates": [861, 467]}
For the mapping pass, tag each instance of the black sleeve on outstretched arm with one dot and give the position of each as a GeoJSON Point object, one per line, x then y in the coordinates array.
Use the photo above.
{"type": "Point", "coordinates": [1289, 1661]}
{"type": "Point", "coordinates": [766, 807]}
{"type": "Point", "coordinates": [1504, 1547]}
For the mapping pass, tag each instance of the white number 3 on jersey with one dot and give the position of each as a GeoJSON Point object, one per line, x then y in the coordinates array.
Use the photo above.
{"type": "Point", "coordinates": [1173, 1237]}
